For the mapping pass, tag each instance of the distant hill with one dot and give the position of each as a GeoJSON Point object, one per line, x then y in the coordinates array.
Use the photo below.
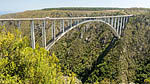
{"type": "Point", "coordinates": [84, 8]}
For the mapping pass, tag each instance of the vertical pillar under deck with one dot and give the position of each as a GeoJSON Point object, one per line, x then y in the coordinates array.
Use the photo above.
{"type": "Point", "coordinates": [53, 30]}
{"type": "Point", "coordinates": [32, 35]}
{"type": "Point", "coordinates": [2, 23]}
{"type": "Point", "coordinates": [115, 23]}
{"type": "Point", "coordinates": [112, 22]}
{"type": "Point", "coordinates": [70, 23]}
{"type": "Point", "coordinates": [78, 21]}
{"type": "Point", "coordinates": [44, 34]}
{"type": "Point", "coordinates": [19, 24]}
{"type": "Point", "coordinates": [120, 26]}
{"type": "Point", "coordinates": [108, 20]}
{"type": "Point", "coordinates": [123, 23]}
{"type": "Point", "coordinates": [127, 19]}
{"type": "Point", "coordinates": [60, 26]}
{"type": "Point", "coordinates": [63, 25]}
{"type": "Point", "coordinates": [19, 27]}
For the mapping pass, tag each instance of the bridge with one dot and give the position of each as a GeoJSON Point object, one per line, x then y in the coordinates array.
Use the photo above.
{"type": "Point", "coordinates": [116, 23]}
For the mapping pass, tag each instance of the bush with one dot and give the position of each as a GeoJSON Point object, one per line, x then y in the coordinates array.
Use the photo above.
{"type": "Point", "coordinates": [21, 64]}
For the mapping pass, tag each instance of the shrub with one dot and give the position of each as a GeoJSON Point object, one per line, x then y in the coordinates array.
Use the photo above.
{"type": "Point", "coordinates": [21, 64]}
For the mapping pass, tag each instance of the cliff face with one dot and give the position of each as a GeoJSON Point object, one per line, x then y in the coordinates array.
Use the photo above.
{"type": "Point", "coordinates": [94, 54]}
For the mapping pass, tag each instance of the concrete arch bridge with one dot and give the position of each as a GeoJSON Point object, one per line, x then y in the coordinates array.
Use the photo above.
{"type": "Point", "coordinates": [116, 23]}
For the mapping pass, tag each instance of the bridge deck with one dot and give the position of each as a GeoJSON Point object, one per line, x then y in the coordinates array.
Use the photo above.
{"type": "Point", "coordinates": [65, 18]}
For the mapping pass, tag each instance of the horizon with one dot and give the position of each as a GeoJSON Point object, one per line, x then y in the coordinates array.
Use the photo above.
{"type": "Point", "coordinates": [20, 6]}
{"type": "Point", "coordinates": [7, 12]}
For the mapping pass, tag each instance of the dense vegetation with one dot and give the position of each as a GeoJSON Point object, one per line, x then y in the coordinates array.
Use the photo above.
{"type": "Point", "coordinates": [20, 64]}
{"type": "Point", "coordinates": [90, 51]}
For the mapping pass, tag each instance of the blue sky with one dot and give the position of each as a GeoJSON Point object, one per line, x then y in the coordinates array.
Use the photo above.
{"type": "Point", "coordinates": [22, 5]}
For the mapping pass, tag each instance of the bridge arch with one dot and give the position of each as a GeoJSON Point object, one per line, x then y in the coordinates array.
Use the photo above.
{"type": "Point", "coordinates": [86, 21]}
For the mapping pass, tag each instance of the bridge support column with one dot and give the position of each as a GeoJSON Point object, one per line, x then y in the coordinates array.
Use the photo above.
{"type": "Point", "coordinates": [44, 34]}
{"type": "Point", "coordinates": [78, 22]}
{"type": "Point", "coordinates": [75, 22]}
{"type": "Point", "coordinates": [127, 19]}
{"type": "Point", "coordinates": [120, 26]}
{"type": "Point", "coordinates": [123, 25]}
{"type": "Point", "coordinates": [63, 26]}
{"type": "Point", "coordinates": [53, 30]}
{"type": "Point", "coordinates": [19, 27]}
{"type": "Point", "coordinates": [32, 35]}
{"type": "Point", "coordinates": [60, 26]}
{"type": "Point", "coordinates": [68, 23]}
{"type": "Point", "coordinates": [112, 21]}
{"type": "Point", "coordinates": [115, 23]}
{"type": "Point", "coordinates": [19, 24]}
{"type": "Point", "coordinates": [109, 21]}
{"type": "Point", "coordinates": [2, 23]}
{"type": "Point", "coordinates": [71, 23]}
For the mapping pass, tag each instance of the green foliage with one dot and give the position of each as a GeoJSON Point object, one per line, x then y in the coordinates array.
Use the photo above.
{"type": "Point", "coordinates": [101, 73]}
{"type": "Point", "coordinates": [20, 64]}
{"type": "Point", "coordinates": [105, 81]}
{"type": "Point", "coordinates": [143, 73]}
{"type": "Point", "coordinates": [147, 80]}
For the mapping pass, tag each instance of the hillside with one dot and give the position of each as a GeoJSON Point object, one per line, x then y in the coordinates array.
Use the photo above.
{"type": "Point", "coordinates": [85, 8]}
{"type": "Point", "coordinates": [93, 53]}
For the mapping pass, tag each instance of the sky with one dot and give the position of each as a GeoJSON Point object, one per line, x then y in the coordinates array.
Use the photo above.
{"type": "Point", "coordinates": [22, 5]}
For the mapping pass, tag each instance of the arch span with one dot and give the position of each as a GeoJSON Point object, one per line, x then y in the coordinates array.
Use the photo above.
{"type": "Point", "coordinates": [76, 25]}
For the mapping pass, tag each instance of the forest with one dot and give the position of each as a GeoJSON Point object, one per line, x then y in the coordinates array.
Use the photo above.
{"type": "Point", "coordinates": [89, 54]}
